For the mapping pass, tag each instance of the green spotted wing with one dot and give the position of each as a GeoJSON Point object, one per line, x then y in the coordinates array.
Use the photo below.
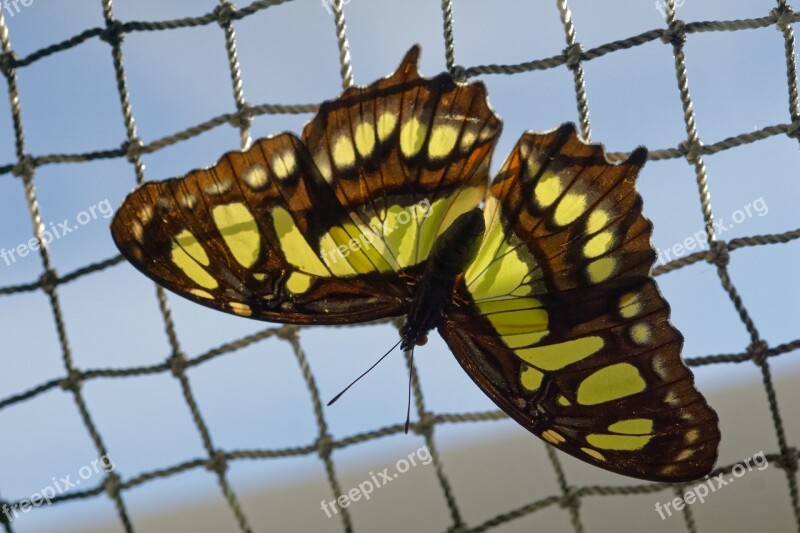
{"type": "Point", "coordinates": [560, 323]}
{"type": "Point", "coordinates": [319, 229]}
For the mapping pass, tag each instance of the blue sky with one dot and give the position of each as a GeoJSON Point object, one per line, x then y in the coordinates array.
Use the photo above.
{"type": "Point", "coordinates": [255, 397]}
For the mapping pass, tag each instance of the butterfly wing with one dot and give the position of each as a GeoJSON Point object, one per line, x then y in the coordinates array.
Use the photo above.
{"type": "Point", "coordinates": [406, 140]}
{"type": "Point", "coordinates": [316, 230]}
{"type": "Point", "coordinates": [564, 328]}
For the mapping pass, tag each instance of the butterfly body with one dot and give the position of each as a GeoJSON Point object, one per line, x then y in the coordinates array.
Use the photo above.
{"type": "Point", "coordinates": [539, 282]}
{"type": "Point", "coordinates": [451, 254]}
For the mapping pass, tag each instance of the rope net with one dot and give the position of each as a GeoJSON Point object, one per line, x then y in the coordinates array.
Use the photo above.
{"type": "Point", "coordinates": [693, 150]}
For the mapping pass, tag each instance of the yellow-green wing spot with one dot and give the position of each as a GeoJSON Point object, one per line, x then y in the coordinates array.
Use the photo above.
{"type": "Point", "coordinates": [553, 437]}
{"type": "Point", "coordinates": [628, 435]}
{"type": "Point", "coordinates": [601, 269]}
{"type": "Point", "coordinates": [239, 231]}
{"type": "Point", "coordinates": [610, 383]}
{"type": "Point", "coordinates": [548, 188]}
{"type": "Point", "coordinates": [284, 164]}
{"type": "Point", "coordinates": [443, 140]}
{"type": "Point", "coordinates": [516, 316]}
{"type": "Point", "coordinates": [365, 138]}
{"type": "Point", "coordinates": [412, 137]}
{"type": "Point", "coordinates": [200, 293]}
{"type": "Point", "coordinates": [190, 256]}
{"type": "Point", "coordinates": [641, 333]}
{"type": "Point", "coordinates": [594, 454]}
{"type": "Point", "coordinates": [598, 219]}
{"type": "Point", "coordinates": [344, 154]}
{"type": "Point", "coordinates": [240, 309]}
{"type": "Point", "coordinates": [630, 305]}
{"type": "Point", "coordinates": [556, 356]}
{"type": "Point", "coordinates": [298, 283]}
{"type": "Point", "coordinates": [294, 245]}
{"type": "Point", "coordinates": [530, 378]}
{"type": "Point", "coordinates": [599, 244]}
{"type": "Point", "coordinates": [503, 266]}
{"type": "Point", "coordinates": [256, 178]}
{"type": "Point", "coordinates": [569, 208]}
{"type": "Point", "coordinates": [386, 123]}
{"type": "Point", "coordinates": [632, 426]}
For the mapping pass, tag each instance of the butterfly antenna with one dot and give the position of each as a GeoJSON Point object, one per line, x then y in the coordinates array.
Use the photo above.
{"type": "Point", "coordinates": [365, 373]}
{"type": "Point", "coordinates": [410, 373]}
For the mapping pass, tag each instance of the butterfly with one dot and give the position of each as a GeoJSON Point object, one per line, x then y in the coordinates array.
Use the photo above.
{"type": "Point", "coordinates": [539, 282]}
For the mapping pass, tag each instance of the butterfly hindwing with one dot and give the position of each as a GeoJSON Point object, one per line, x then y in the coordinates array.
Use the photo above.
{"type": "Point", "coordinates": [316, 230]}
{"type": "Point", "coordinates": [583, 356]}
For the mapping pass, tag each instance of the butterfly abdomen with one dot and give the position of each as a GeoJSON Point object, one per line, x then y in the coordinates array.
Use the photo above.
{"type": "Point", "coordinates": [450, 255]}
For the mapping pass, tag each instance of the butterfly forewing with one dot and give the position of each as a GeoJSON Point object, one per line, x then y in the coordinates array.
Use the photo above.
{"type": "Point", "coordinates": [406, 141]}
{"type": "Point", "coordinates": [564, 328]}
{"type": "Point", "coordinates": [316, 230]}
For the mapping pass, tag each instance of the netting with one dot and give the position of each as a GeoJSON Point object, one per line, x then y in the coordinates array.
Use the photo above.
{"type": "Point", "coordinates": [574, 56]}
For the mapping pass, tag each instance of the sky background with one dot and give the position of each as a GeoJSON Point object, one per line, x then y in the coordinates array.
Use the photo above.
{"type": "Point", "coordinates": [256, 397]}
